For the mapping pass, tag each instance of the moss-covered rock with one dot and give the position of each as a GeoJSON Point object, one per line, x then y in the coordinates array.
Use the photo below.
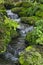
{"type": "Point", "coordinates": [9, 5]}
{"type": "Point", "coordinates": [39, 14]}
{"type": "Point", "coordinates": [29, 20]}
{"type": "Point", "coordinates": [23, 12]}
{"type": "Point", "coordinates": [16, 9]}
{"type": "Point", "coordinates": [23, 9]}
{"type": "Point", "coordinates": [23, 4]}
{"type": "Point", "coordinates": [30, 57]}
{"type": "Point", "coordinates": [26, 11]}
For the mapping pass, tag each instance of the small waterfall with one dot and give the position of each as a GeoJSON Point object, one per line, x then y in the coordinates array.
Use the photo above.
{"type": "Point", "coordinates": [19, 44]}
{"type": "Point", "coordinates": [11, 15]}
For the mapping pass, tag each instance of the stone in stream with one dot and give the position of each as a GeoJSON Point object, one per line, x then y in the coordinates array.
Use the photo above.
{"type": "Point", "coordinates": [17, 20]}
{"type": "Point", "coordinates": [10, 57]}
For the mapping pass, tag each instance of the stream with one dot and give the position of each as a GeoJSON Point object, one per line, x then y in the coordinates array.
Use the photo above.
{"type": "Point", "coordinates": [18, 45]}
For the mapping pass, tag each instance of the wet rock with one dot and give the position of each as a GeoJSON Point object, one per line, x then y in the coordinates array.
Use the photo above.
{"type": "Point", "coordinates": [18, 20]}
{"type": "Point", "coordinates": [10, 57]}
{"type": "Point", "coordinates": [11, 15]}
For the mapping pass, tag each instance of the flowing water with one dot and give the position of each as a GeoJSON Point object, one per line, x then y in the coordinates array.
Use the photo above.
{"type": "Point", "coordinates": [17, 45]}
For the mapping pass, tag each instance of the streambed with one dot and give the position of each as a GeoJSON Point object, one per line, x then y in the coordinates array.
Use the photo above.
{"type": "Point", "coordinates": [17, 45]}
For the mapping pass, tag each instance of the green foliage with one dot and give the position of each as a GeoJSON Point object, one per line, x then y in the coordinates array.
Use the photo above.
{"type": "Point", "coordinates": [8, 1]}
{"type": "Point", "coordinates": [2, 9]}
{"type": "Point", "coordinates": [40, 1]}
{"type": "Point", "coordinates": [23, 4]}
{"type": "Point", "coordinates": [3, 12]}
{"type": "Point", "coordinates": [36, 36]}
{"type": "Point", "coordinates": [11, 23]}
{"type": "Point", "coordinates": [24, 9]}
{"type": "Point", "coordinates": [4, 37]}
{"type": "Point", "coordinates": [7, 31]}
{"type": "Point", "coordinates": [40, 6]}
{"type": "Point", "coordinates": [1, 1]}
{"type": "Point", "coordinates": [2, 17]}
{"type": "Point", "coordinates": [39, 14]}
{"type": "Point", "coordinates": [29, 20]}
{"type": "Point", "coordinates": [2, 6]}
{"type": "Point", "coordinates": [16, 9]}
{"type": "Point", "coordinates": [37, 1]}
{"type": "Point", "coordinates": [9, 4]}
{"type": "Point", "coordinates": [30, 57]}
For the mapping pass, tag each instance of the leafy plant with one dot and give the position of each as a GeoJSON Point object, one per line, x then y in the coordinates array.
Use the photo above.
{"type": "Point", "coordinates": [7, 31]}
{"type": "Point", "coordinates": [30, 57]}
{"type": "Point", "coordinates": [36, 36]}
{"type": "Point", "coordinates": [29, 20]}
{"type": "Point", "coordinates": [1, 1]}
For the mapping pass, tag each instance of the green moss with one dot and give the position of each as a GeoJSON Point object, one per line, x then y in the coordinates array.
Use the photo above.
{"type": "Point", "coordinates": [24, 4]}
{"type": "Point", "coordinates": [40, 6]}
{"type": "Point", "coordinates": [29, 20]}
{"type": "Point", "coordinates": [1, 1]}
{"type": "Point", "coordinates": [23, 11]}
{"type": "Point", "coordinates": [40, 1]}
{"type": "Point", "coordinates": [16, 9]}
{"type": "Point", "coordinates": [30, 56]}
{"type": "Point", "coordinates": [9, 5]}
{"type": "Point", "coordinates": [39, 14]}
{"type": "Point", "coordinates": [2, 6]}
